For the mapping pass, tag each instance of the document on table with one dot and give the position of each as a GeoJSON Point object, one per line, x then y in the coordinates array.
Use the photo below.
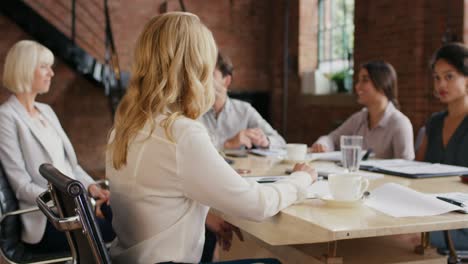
{"type": "Point", "coordinates": [455, 198]}
{"type": "Point", "coordinates": [400, 201]}
{"type": "Point", "coordinates": [330, 156]}
{"type": "Point", "coordinates": [268, 152]}
{"type": "Point", "coordinates": [326, 169]}
{"type": "Point", "coordinates": [413, 169]}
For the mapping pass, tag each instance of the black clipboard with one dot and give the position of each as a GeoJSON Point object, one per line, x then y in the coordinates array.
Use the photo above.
{"type": "Point", "coordinates": [413, 175]}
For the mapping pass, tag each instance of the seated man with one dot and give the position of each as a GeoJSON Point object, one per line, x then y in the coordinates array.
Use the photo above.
{"type": "Point", "coordinates": [233, 123]}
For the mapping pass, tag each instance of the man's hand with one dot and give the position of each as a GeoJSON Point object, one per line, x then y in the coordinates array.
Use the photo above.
{"type": "Point", "coordinates": [306, 168]}
{"type": "Point", "coordinates": [257, 137]}
{"type": "Point", "coordinates": [248, 137]}
{"type": "Point", "coordinates": [238, 140]}
{"type": "Point", "coordinates": [223, 231]}
{"type": "Point", "coordinates": [317, 147]}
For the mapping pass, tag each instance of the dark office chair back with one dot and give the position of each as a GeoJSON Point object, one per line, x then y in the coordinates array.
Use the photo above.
{"type": "Point", "coordinates": [10, 229]}
{"type": "Point", "coordinates": [76, 216]}
{"type": "Point", "coordinates": [11, 247]}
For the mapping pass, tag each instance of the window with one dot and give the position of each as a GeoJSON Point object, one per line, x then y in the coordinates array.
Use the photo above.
{"type": "Point", "coordinates": [335, 36]}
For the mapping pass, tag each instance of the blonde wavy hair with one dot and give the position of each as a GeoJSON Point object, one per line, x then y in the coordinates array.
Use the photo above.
{"type": "Point", "coordinates": [172, 74]}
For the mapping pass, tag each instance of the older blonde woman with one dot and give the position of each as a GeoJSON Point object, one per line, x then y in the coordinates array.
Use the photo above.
{"type": "Point", "coordinates": [164, 170]}
{"type": "Point", "coordinates": [31, 134]}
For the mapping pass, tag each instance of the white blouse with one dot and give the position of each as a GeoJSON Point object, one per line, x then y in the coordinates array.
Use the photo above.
{"type": "Point", "coordinates": [54, 143]}
{"type": "Point", "coordinates": [160, 199]}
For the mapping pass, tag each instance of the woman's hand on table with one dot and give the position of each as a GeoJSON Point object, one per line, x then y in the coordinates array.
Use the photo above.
{"type": "Point", "coordinates": [306, 168]}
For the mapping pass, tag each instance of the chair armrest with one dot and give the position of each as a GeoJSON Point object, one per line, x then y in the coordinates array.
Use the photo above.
{"type": "Point", "coordinates": [61, 224]}
{"type": "Point", "coordinates": [19, 212]}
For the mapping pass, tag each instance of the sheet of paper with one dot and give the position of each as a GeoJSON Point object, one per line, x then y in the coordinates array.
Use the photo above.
{"type": "Point", "coordinates": [458, 197]}
{"type": "Point", "coordinates": [331, 156]}
{"type": "Point", "coordinates": [400, 201]}
{"type": "Point", "coordinates": [269, 152]}
{"type": "Point", "coordinates": [325, 169]}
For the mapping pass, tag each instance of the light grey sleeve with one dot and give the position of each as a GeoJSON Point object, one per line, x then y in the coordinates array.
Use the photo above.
{"type": "Point", "coordinates": [82, 176]}
{"type": "Point", "coordinates": [256, 120]}
{"type": "Point", "coordinates": [402, 139]}
{"type": "Point", "coordinates": [14, 164]}
{"type": "Point", "coordinates": [349, 127]}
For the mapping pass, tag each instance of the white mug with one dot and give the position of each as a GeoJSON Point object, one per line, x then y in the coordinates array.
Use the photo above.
{"type": "Point", "coordinates": [296, 151]}
{"type": "Point", "coordinates": [347, 186]}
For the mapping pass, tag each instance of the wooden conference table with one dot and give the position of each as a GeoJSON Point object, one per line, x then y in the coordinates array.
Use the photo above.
{"type": "Point", "coordinates": [314, 232]}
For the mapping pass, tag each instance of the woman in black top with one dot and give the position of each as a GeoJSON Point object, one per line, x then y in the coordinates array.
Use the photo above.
{"type": "Point", "coordinates": [446, 139]}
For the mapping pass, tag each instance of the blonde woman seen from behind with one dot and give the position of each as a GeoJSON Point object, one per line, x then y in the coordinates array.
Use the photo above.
{"type": "Point", "coordinates": [165, 172]}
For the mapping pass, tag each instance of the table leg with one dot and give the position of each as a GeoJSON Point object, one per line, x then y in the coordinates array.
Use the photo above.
{"type": "Point", "coordinates": [425, 243]}
{"type": "Point", "coordinates": [330, 257]}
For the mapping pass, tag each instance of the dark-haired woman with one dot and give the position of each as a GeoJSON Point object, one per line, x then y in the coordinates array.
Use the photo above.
{"type": "Point", "coordinates": [446, 139]}
{"type": "Point", "coordinates": [385, 130]}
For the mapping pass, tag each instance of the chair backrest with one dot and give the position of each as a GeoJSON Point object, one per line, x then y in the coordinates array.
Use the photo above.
{"type": "Point", "coordinates": [76, 216]}
{"type": "Point", "coordinates": [419, 138]}
{"type": "Point", "coordinates": [11, 246]}
{"type": "Point", "coordinates": [10, 229]}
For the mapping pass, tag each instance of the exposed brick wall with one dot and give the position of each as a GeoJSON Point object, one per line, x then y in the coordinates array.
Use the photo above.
{"type": "Point", "coordinates": [89, 23]}
{"type": "Point", "coordinates": [407, 36]}
{"type": "Point", "coordinates": [241, 29]}
{"type": "Point", "coordinates": [405, 33]}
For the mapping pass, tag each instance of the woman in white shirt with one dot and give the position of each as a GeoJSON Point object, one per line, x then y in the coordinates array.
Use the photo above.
{"type": "Point", "coordinates": [165, 173]}
{"type": "Point", "coordinates": [386, 130]}
{"type": "Point", "coordinates": [30, 135]}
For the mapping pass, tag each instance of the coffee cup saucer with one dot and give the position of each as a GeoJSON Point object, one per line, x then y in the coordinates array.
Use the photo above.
{"type": "Point", "coordinates": [328, 199]}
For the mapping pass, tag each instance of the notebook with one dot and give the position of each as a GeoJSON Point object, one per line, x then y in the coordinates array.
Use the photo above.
{"type": "Point", "coordinates": [412, 169]}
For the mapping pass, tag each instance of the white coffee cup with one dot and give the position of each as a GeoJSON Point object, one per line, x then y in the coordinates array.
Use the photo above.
{"type": "Point", "coordinates": [347, 186]}
{"type": "Point", "coordinates": [296, 151]}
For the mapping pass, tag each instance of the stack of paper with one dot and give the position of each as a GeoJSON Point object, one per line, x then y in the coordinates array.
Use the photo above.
{"type": "Point", "coordinates": [413, 169]}
{"type": "Point", "coordinates": [400, 201]}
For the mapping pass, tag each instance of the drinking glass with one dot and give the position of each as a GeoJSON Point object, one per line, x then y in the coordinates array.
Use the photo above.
{"type": "Point", "coordinates": [351, 147]}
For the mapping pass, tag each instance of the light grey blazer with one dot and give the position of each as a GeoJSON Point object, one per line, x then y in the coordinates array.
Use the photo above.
{"type": "Point", "coordinates": [22, 151]}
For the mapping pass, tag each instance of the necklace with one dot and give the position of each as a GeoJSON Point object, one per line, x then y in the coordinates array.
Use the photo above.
{"type": "Point", "coordinates": [41, 119]}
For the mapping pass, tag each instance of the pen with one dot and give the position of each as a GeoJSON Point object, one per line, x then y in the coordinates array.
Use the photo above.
{"type": "Point", "coordinates": [448, 200]}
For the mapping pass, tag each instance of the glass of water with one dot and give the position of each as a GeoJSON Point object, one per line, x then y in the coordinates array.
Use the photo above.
{"type": "Point", "coordinates": [351, 147]}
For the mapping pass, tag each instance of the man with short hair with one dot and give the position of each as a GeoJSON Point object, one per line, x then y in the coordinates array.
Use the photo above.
{"type": "Point", "coordinates": [233, 123]}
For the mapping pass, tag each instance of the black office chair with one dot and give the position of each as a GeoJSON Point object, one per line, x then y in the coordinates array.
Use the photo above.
{"type": "Point", "coordinates": [12, 249]}
{"type": "Point", "coordinates": [75, 216]}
